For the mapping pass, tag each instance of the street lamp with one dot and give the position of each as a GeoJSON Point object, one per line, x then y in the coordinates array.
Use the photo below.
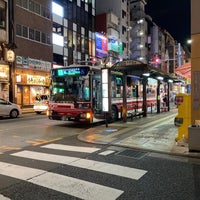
{"type": "Point", "coordinates": [189, 41]}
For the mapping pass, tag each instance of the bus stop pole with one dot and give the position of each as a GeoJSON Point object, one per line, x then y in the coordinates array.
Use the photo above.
{"type": "Point", "coordinates": [168, 96]}
{"type": "Point", "coordinates": [144, 105]}
{"type": "Point", "coordinates": [124, 108]}
{"type": "Point", "coordinates": [158, 97]}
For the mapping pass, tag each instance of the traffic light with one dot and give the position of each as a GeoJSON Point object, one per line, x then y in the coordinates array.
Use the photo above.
{"type": "Point", "coordinates": [156, 60]}
{"type": "Point", "coordinates": [94, 59]}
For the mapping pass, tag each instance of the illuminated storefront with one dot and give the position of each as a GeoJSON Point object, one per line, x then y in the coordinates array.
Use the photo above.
{"type": "Point", "coordinates": [32, 78]}
{"type": "Point", "coordinates": [4, 81]}
{"type": "Point", "coordinates": [4, 67]}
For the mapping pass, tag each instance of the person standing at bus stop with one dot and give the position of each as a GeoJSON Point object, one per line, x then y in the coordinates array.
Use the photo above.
{"type": "Point", "coordinates": [165, 102]}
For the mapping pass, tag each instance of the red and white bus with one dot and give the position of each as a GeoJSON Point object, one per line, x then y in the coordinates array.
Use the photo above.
{"type": "Point", "coordinates": [76, 94]}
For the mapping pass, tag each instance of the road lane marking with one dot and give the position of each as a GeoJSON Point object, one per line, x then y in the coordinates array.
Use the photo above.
{"type": "Point", "coordinates": [71, 148]}
{"type": "Point", "coordinates": [4, 198]}
{"type": "Point", "coordinates": [37, 142]}
{"type": "Point", "coordinates": [10, 148]}
{"type": "Point", "coordinates": [67, 185]}
{"type": "Point", "coordinates": [127, 172]}
{"type": "Point", "coordinates": [107, 152]}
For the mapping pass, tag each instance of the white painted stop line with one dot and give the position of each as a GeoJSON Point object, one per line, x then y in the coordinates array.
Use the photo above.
{"type": "Point", "coordinates": [67, 185]}
{"type": "Point", "coordinates": [127, 172]}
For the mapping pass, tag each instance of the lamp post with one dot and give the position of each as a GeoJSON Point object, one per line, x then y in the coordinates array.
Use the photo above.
{"type": "Point", "coordinates": [10, 56]}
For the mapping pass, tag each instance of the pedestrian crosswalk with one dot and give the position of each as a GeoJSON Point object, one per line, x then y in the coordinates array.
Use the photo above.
{"type": "Point", "coordinates": [73, 186]}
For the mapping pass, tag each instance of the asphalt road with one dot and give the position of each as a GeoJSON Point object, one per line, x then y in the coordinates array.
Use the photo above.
{"type": "Point", "coordinates": [55, 165]}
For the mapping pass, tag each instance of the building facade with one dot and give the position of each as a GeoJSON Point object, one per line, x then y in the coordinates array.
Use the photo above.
{"type": "Point", "coordinates": [32, 34]}
{"type": "Point", "coordinates": [138, 32]}
{"type": "Point", "coordinates": [119, 9]}
{"type": "Point", "coordinates": [107, 24]}
{"type": "Point", "coordinates": [73, 31]}
{"type": "Point", "coordinates": [4, 65]}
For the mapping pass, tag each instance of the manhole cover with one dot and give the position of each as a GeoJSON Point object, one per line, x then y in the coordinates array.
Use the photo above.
{"type": "Point", "coordinates": [132, 153]}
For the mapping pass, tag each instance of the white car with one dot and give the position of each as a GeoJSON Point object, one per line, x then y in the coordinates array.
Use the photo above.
{"type": "Point", "coordinates": [41, 104]}
{"type": "Point", "coordinates": [9, 109]}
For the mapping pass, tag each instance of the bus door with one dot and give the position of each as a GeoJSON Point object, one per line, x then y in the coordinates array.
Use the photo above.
{"type": "Point", "coordinates": [96, 92]}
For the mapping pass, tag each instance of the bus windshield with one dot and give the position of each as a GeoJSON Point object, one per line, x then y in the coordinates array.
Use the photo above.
{"type": "Point", "coordinates": [70, 85]}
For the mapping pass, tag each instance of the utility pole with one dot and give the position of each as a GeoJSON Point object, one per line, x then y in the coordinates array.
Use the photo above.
{"type": "Point", "coordinates": [11, 46]}
{"type": "Point", "coordinates": [179, 54]}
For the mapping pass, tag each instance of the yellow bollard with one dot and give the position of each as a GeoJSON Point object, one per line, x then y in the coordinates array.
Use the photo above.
{"type": "Point", "coordinates": [183, 119]}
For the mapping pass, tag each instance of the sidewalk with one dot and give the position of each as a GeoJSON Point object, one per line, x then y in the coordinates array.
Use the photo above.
{"type": "Point", "coordinates": [155, 133]}
{"type": "Point", "coordinates": [27, 110]}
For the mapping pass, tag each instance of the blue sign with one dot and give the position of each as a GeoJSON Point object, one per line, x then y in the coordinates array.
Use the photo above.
{"type": "Point", "coordinates": [101, 45]}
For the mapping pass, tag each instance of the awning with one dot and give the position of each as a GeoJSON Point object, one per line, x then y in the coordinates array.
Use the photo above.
{"type": "Point", "coordinates": [184, 70]}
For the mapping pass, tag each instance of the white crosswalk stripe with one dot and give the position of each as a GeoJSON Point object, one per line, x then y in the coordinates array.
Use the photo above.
{"type": "Point", "coordinates": [117, 170]}
{"type": "Point", "coordinates": [69, 185]}
{"type": "Point", "coordinates": [71, 148]}
{"type": "Point", "coordinates": [3, 198]}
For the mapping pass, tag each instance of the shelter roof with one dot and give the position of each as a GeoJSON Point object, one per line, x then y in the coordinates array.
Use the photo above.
{"type": "Point", "coordinates": [137, 68]}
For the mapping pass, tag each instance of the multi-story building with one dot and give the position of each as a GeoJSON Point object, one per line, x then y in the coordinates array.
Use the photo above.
{"type": "Point", "coordinates": [120, 9]}
{"type": "Point", "coordinates": [108, 25]}
{"type": "Point", "coordinates": [32, 34]}
{"type": "Point", "coordinates": [138, 32]}
{"type": "Point", "coordinates": [170, 54]}
{"type": "Point", "coordinates": [4, 65]}
{"type": "Point", "coordinates": [73, 31]}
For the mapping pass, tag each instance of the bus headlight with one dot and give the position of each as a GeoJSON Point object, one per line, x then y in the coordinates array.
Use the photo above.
{"type": "Point", "coordinates": [88, 115]}
{"type": "Point", "coordinates": [85, 115]}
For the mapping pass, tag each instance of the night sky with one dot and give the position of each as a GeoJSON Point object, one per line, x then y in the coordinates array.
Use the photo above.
{"type": "Point", "coordinates": [172, 15]}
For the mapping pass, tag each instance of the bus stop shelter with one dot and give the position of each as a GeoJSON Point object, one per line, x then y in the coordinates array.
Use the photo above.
{"type": "Point", "coordinates": [143, 71]}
